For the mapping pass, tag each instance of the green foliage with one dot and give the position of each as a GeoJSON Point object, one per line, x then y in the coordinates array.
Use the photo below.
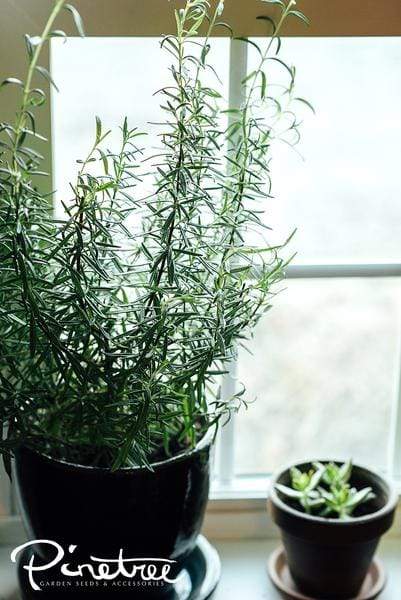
{"type": "Point", "coordinates": [325, 490]}
{"type": "Point", "coordinates": [117, 320]}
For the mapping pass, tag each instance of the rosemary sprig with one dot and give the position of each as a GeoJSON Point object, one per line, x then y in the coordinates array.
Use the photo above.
{"type": "Point", "coordinates": [117, 320]}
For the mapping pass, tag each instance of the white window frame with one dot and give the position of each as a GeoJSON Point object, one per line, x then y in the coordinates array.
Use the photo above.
{"type": "Point", "coordinates": [230, 494]}
{"type": "Point", "coordinates": [227, 485]}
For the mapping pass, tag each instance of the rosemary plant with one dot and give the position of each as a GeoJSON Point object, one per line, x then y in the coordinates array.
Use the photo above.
{"type": "Point", "coordinates": [113, 335]}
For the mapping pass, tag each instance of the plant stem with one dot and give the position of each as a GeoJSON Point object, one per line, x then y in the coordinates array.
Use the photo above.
{"type": "Point", "coordinates": [21, 121]}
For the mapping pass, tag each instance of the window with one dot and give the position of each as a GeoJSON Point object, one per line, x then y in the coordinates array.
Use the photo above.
{"type": "Point", "coordinates": [326, 361]}
{"type": "Point", "coordinates": [327, 354]}
{"type": "Point", "coordinates": [325, 364]}
{"type": "Point", "coordinates": [324, 370]}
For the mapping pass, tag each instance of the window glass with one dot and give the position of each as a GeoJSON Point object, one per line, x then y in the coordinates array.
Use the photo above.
{"type": "Point", "coordinates": [111, 78]}
{"type": "Point", "coordinates": [344, 198]}
{"type": "Point", "coordinates": [340, 187]}
{"type": "Point", "coordinates": [322, 374]}
{"type": "Point", "coordinates": [325, 359]}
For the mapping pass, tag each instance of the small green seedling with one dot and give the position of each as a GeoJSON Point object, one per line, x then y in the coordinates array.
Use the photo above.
{"type": "Point", "coordinates": [325, 490]}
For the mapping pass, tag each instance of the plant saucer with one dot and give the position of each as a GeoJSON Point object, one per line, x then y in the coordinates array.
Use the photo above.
{"type": "Point", "coordinates": [279, 573]}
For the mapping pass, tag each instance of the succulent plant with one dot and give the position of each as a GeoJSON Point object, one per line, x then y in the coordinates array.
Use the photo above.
{"type": "Point", "coordinates": [325, 490]}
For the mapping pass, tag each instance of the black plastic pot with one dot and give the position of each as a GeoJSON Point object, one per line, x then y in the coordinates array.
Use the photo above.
{"type": "Point", "coordinates": [329, 558]}
{"type": "Point", "coordinates": [147, 513]}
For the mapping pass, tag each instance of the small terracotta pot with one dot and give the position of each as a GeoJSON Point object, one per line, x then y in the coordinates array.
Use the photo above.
{"type": "Point", "coordinates": [329, 558]}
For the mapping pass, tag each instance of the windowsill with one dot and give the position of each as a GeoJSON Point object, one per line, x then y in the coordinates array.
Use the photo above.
{"type": "Point", "coordinates": [244, 571]}
{"type": "Point", "coordinates": [245, 574]}
{"type": "Point", "coordinates": [244, 535]}
{"type": "Point", "coordinates": [225, 520]}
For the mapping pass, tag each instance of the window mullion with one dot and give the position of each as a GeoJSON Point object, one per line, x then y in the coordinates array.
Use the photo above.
{"type": "Point", "coordinates": [225, 463]}
{"type": "Point", "coordinates": [225, 460]}
{"type": "Point", "coordinates": [394, 466]}
{"type": "Point", "coordinates": [343, 270]}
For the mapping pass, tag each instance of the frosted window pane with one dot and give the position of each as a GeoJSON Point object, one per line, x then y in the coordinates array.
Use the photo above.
{"type": "Point", "coordinates": [323, 370]}
{"type": "Point", "coordinates": [111, 78]}
{"type": "Point", "coordinates": [345, 198]}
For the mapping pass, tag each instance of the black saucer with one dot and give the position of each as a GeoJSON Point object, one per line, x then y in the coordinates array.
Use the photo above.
{"type": "Point", "coordinates": [197, 580]}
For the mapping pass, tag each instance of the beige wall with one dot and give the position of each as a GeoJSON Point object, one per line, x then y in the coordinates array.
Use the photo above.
{"type": "Point", "coordinates": [155, 17]}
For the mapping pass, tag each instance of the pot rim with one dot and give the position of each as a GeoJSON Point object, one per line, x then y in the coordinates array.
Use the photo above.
{"type": "Point", "coordinates": [204, 442]}
{"type": "Point", "coordinates": [389, 506]}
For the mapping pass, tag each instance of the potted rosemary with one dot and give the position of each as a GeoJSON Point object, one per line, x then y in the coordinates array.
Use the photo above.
{"type": "Point", "coordinates": [331, 517]}
{"type": "Point", "coordinates": [118, 319]}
